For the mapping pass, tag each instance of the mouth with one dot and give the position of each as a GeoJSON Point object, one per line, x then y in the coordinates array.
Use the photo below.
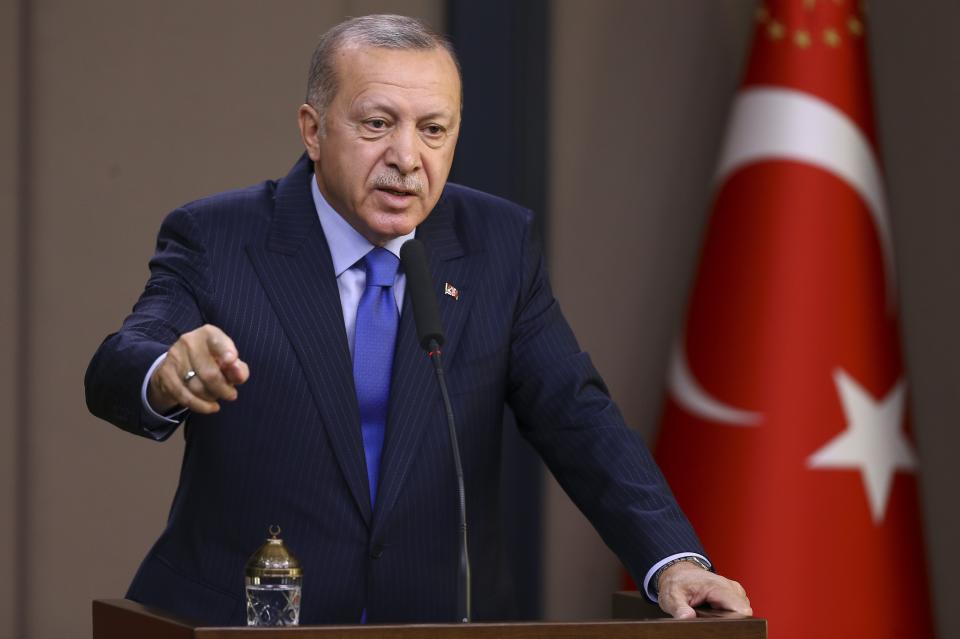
{"type": "Point", "coordinates": [396, 192]}
{"type": "Point", "coordinates": [394, 199]}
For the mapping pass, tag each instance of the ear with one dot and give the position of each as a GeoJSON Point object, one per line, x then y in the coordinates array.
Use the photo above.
{"type": "Point", "coordinates": [310, 130]}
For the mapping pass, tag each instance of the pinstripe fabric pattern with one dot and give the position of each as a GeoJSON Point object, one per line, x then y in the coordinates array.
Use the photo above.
{"type": "Point", "coordinates": [289, 451]}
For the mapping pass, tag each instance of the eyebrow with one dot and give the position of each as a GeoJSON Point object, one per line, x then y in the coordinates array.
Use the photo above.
{"type": "Point", "coordinates": [438, 115]}
{"type": "Point", "coordinates": [365, 105]}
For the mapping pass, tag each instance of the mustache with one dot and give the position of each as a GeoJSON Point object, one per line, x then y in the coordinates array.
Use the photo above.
{"type": "Point", "coordinates": [397, 182]}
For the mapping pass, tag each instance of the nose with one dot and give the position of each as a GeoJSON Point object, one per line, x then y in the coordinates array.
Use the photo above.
{"type": "Point", "coordinates": [403, 153]}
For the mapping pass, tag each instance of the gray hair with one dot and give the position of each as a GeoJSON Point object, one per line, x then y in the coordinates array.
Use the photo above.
{"type": "Point", "coordinates": [384, 31]}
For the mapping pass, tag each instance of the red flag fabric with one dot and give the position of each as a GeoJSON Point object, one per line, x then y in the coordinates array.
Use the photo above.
{"type": "Point", "coordinates": [785, 434]}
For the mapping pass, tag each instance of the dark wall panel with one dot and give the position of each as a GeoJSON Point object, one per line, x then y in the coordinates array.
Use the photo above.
{"type": "Point", "coordinates": [502, 47]}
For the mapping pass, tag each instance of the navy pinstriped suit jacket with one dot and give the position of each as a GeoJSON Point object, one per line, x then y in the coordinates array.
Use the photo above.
{"type": "Point", "coordinates": [255, 263]}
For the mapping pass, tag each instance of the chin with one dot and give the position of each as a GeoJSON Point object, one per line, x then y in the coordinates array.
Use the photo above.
{"type": "Point", "coordinates": [397, 224]}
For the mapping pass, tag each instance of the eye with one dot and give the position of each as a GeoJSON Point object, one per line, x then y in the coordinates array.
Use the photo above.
{"type": "Point", "coordinates": [376, 124]}
{"type": "Point", "coordinates": [434, 130]}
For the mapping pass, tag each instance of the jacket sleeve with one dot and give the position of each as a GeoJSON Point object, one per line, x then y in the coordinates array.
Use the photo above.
{"type": "Point", "coordinates": [169, 306]}
{"type": "Point", "coordinates": [564, 410]}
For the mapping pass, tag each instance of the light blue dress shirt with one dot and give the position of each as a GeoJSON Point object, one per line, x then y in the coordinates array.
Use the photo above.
{"type": "Point", "coordinates": [347, 248]}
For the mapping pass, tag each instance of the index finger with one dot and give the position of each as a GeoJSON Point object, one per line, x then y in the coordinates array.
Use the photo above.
{"type": "Point", "coordinates": [221, 347]}
{"type": "Point", "coordinates": [676, 606]}
{"type": "Point", "coordinates": [729, 599]}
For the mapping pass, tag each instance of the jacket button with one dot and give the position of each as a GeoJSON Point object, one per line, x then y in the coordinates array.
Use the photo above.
{"type": "Point", "coordinates": [377, 552]}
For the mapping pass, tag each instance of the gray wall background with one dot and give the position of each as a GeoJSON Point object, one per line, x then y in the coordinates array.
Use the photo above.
{"type": "Point", "coordinates": [112, 113]}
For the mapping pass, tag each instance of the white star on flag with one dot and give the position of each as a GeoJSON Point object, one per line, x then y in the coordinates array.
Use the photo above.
{"type": "Point", "coordinates": [873, 442]}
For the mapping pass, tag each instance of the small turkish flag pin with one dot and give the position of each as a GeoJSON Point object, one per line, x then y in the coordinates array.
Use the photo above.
{"type": "Point", "coordinates": [451, 290]}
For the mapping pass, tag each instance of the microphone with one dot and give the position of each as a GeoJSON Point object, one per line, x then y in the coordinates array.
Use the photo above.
{"type": "Point", "coordinates": [420, 288]}
{"type": "Point", "coordinates": [430, 333]}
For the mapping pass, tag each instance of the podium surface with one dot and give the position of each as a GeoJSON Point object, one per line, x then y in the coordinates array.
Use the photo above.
{"type": "Point", "coordinates": [116, 618]}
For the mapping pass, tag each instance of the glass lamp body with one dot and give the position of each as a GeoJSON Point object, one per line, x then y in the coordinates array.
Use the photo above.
{"type": "Point", "coordinates": [274, 581]}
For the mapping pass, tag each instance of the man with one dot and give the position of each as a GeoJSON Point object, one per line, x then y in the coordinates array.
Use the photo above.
{"type": "Point", "coordinates": [292, 289]}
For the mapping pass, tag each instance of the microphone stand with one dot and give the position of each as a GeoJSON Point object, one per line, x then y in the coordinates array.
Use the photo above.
{"type": "Point", "coordinates": [463, 601]}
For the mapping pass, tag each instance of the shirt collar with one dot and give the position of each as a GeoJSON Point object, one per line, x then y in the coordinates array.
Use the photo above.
{"type": "Point", "coordinates": [347, 246]}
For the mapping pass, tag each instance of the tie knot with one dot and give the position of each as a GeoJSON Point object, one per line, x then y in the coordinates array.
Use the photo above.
{"type": "Point", "coordinates": [381, 267]}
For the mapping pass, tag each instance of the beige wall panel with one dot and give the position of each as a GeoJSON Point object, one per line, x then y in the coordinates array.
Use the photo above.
{"type": "Point", "coordinates": [639, 97]}
{"type": "Point", "coordinates": [915, 55]}
{"type": "Point", "coordinates": [640, 94]}
{"type": "Point", "coordinates": [9, 255]}
{"type": "Point", "coordinates": [430, 11]}
{"type": "Point", "coordinates": [139, 107]}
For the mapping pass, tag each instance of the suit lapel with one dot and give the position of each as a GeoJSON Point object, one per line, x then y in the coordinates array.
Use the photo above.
{"type": "Point", "coordinates": [297, 273]}
{"type": "Point", "coordinates": [415, 400]}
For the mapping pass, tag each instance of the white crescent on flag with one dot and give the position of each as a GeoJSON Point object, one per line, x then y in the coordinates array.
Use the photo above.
{"type": "Point", "coordinates": [783, 124]}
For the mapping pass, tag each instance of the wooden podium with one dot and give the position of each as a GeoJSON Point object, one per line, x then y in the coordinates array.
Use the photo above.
{"type": "Point", "coordinates": [124, 619]}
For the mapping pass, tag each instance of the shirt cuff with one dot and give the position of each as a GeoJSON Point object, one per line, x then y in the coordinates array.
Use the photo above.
{"type": "Point", "coordinates": [156, 424]}
{"type": "Point", "coordinates": [648, 586]}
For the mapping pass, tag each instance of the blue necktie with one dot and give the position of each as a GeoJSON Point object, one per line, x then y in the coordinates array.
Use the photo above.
{"type": "Point", "coordinates": [375, 334]}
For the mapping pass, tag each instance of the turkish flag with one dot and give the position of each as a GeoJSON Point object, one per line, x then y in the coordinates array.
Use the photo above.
{"type": "Point", "coordinates": [785, 434]}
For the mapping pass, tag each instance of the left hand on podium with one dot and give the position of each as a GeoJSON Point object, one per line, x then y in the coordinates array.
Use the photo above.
{"type": "Point", "coordinates": [684, 585]}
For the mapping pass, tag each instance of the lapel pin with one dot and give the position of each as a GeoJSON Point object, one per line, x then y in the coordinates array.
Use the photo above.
{"type": "Point", "coordinates": [451, 290]}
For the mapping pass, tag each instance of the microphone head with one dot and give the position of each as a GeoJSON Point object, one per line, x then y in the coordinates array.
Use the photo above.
{"type": "Point", "coordinates": [426, 315]}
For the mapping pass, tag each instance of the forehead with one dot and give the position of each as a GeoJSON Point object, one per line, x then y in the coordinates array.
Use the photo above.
{"type": "Point", "coordinates": [422, 74]}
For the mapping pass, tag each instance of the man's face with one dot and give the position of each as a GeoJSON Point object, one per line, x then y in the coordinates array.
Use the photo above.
{"type": "Point", "coordinates": [388, 137]}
